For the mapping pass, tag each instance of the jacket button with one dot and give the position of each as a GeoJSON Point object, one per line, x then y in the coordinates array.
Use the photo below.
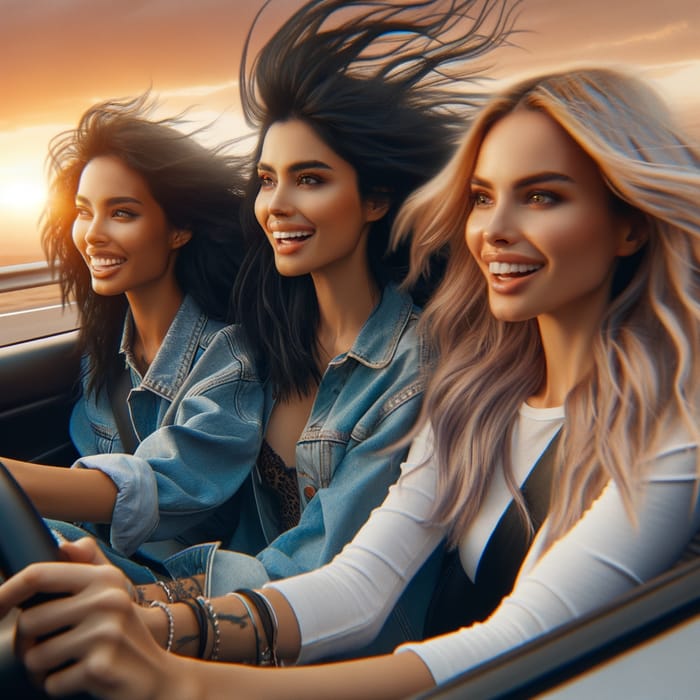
{"type": "Point", "coordinates": [309, 492]}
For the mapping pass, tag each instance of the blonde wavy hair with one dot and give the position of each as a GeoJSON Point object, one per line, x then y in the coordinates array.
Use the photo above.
{"type": "Point", "coordinates": [645, 369]}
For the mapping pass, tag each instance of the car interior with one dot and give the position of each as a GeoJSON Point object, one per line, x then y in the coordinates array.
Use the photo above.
{"type": "Point", "coordinates": [659, 620]}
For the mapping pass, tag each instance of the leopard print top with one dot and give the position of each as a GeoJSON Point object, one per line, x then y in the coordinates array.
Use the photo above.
{"type": "Point", "coordinates": [281, 480]}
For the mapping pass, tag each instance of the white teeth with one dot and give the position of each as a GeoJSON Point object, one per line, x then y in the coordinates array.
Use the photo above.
{"type": "Point", "coordinates": [503, 268]}
{"type": "Point", "coordinates": [285, 235]}
{"type": "Point", "coordinates": [105, 262]}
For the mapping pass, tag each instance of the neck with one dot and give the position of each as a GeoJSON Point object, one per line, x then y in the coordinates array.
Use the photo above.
{"type": "Point", "coordinates": [344, 307]}
{"type": "Point", "coordinates": [568, 353]}
{"type": "Point", "coordinates": [152, 319]}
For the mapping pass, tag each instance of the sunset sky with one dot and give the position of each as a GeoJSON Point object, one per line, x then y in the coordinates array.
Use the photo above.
{"type": "Point", "coordinates": [60, 56]}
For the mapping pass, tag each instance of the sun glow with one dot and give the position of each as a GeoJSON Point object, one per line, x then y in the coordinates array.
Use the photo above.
{"type": "Point", "coordinates": [23, 196]}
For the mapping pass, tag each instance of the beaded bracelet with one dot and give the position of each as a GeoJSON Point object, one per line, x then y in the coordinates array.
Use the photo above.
{"type": "Point", "coordinates": [214, 619]}
{"type": "Point", "coordinates": [171, 621]}
{"type": "Point", "coordinates": [164, 587]}
{"type": "Point", "coordinates": [268, 618]}
{"type": "Point", "coordinates": [244, 602]}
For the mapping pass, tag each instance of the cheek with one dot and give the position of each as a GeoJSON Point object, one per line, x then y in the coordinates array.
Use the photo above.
{"type": "Point", "coordinates": [472, 237]}
{"type": "Point", "coordinates": [260, 209]}
{"type": "Point", "coordinates": [78, 234]}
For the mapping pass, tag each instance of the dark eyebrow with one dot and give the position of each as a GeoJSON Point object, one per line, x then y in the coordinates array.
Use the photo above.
{"type": "Point", "coordinates": [530, 180]}
{"type": "Point", "coordinates": [296, 167]}
{"type": "Point", "coordinates": [112, 201]}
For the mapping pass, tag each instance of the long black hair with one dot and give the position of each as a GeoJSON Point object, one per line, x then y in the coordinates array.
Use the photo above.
{"type": "Point", "coordinates": [199, 189]}
{"type": "Point", "coordinates": [388, 87]}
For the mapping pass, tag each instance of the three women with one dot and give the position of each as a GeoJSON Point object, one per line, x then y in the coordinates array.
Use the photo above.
{"type": "Point", "coordinates": [572, 270]}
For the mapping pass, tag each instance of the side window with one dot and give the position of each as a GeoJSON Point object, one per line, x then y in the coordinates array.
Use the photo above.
{"type": "Point", "coordinates": [30, 304]}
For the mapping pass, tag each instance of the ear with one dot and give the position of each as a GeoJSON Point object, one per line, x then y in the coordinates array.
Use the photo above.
{"type": "Point", "coordinates": [633, 237]}
{"type": "Point", "coordinates": [376, 207]}
{"type": "Point", "coordinates": [179, 238]}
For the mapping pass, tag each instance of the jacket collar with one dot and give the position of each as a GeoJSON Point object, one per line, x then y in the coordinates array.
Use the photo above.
{"type": "Point", "coordinates": [379, 337]}
{"type": "Point", "coordinates": [176, 355]}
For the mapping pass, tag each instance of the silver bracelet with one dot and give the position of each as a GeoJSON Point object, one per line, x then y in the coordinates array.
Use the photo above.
{"type": "Point", "coordinates": [214, 619]}
{"type": "Point", "coordinates": [164, 587]}
{"type": "Point", "coordinates": [253, 623]}
{"type": "Point", "coordinates": [171, 621]}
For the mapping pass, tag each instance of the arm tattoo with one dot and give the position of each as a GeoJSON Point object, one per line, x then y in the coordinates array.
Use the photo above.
{"type": "Point", "coordinates": [240, 620]}
{"type": "Point", "coordinates": [183, 641]}
{"type": "Point", "coordinates": [140, 592]}
{"type": "Point", "coordinates": [185, 588]}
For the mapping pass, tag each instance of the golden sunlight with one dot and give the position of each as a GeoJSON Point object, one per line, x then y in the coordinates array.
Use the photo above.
{"type": "Point", "coordinates": [22, 196]}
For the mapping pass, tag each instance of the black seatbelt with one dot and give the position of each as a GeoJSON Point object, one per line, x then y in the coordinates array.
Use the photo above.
{"type": "Point", "coordinates": [457, 600]}
{"type": "Point", "coordinates": [118, 388]}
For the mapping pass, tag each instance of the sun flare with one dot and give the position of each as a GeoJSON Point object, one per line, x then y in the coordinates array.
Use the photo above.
{"type": "Point", "coordinates": [22, 196]}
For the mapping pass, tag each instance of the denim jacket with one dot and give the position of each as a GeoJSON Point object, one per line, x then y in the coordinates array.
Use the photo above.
{"type": "Point", "coordinates": [197, 416]}
{"type": "Point", "coordinates": [368, 399]}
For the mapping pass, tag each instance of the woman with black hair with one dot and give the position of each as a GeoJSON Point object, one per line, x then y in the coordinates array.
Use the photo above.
{"type": "Point", "coordinates": [355, 105]}
{"type": "Point", "coordinates": [143, 228]}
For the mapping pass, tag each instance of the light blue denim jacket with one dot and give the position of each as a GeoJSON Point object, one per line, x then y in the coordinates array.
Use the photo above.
{"type": "Point", "coordinates": [368, 399]}
{"type": "Point", "coordinates": [197, 416]}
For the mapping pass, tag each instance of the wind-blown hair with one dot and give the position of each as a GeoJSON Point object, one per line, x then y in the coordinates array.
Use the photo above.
{"type": "Point", "coordinates": [198, 189]}
{"type": "Point", "coordinates": [386, 87]}
{"type": "Point", "coordinates": [645, 372]}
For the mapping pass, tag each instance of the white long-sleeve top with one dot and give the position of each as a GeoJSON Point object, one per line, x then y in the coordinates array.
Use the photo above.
{"type": "Point", "coordinates": [343, 605]}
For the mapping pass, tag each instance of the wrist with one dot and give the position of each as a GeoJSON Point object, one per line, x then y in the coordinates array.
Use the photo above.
{"type": "Point", "coordinates": [183, 680]}
{"type": "Point", "coordinates": [157, 623]}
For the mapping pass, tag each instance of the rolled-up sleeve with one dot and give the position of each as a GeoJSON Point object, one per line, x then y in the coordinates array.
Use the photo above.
{"type": "Point", "coordinates": [135, 514]}
{"type": "Point", "coordinates": [196, 461]}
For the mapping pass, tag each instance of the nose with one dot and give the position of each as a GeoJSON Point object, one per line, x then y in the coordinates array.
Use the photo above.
{"type": "Point", "coordinates": [280, 202]}
{"type": "Point", "coordinates": [89, 231]}
{"type": "Point", "coordinates": [499, 226]}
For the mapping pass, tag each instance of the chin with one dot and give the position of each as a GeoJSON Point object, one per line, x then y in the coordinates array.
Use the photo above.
{"type": "Point", "coordinates": [286, 272]}
{"type": "Point", "coordinates": [510, 315]}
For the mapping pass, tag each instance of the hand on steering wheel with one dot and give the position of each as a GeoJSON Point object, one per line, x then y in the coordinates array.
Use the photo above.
{"type": "Point", "coordinates": [24, 540]}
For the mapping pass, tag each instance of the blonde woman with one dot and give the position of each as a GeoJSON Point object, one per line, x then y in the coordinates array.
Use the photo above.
{"type": "Point", "coordinates": [569, 305]}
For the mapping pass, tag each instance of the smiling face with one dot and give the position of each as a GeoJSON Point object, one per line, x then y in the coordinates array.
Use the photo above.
{"type": "Point", "coordinates": [121, 231]}
{"type": "Point", "coordinates": [309, 205]}
{"type": "Point", "coordinates": [542, 228]}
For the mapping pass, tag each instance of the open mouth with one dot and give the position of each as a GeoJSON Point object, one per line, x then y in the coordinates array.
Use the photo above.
{"type": "Point", "coordinates": [513, 270]}
{"type": "Point", "coordinates": [291, 236]}
{"type": "Point", "coordinates": [105, 263]}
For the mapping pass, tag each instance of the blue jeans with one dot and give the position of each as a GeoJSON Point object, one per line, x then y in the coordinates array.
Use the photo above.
{"type": "Point", "coordinates": [137, 573]}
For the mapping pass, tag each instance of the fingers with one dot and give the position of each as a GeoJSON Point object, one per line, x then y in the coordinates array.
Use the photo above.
{"type": "Point", "coordinates": [78, 624]}
{"type": "Point", "coordinates": [55, 579]}
{"type": "Point", "coordinates": [101, 596]}
{"type": "Point", "coordinates": [109, 654]}
{"type": "Point", "coordinates": [83, 551]}
{"type": "Point", "coordinates": [89, 639]}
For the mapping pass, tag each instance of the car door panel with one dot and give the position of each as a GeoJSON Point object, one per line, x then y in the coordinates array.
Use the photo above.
{"type": "Point", "coordinates": [39, 384]}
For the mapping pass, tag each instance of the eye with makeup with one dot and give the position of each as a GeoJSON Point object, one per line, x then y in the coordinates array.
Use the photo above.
{"type": "Point", "coordinates": [126, 214]}
{"type": "Point", "coordinates": [542, 198]}
{"type": "Point", "coordinates": [480, 198]}
{"type": "Point", "coordinates": [265, 180]}
{"type": "Point", "coordinates": [309, 180]}
{"type": "Point", "coordinates": [82, 212]}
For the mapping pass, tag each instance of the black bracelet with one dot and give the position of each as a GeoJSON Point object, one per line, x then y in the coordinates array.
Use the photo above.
{"type": "Point", "coordinates": [212, 618]}
{"type": "Point", "coordinates": [202, 624]}
{"type": "Point", "coordinates": [268, 656]}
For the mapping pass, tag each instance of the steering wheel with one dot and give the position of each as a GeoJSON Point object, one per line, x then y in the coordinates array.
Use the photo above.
{"type": "Point", "coordinates": [24, 539]}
